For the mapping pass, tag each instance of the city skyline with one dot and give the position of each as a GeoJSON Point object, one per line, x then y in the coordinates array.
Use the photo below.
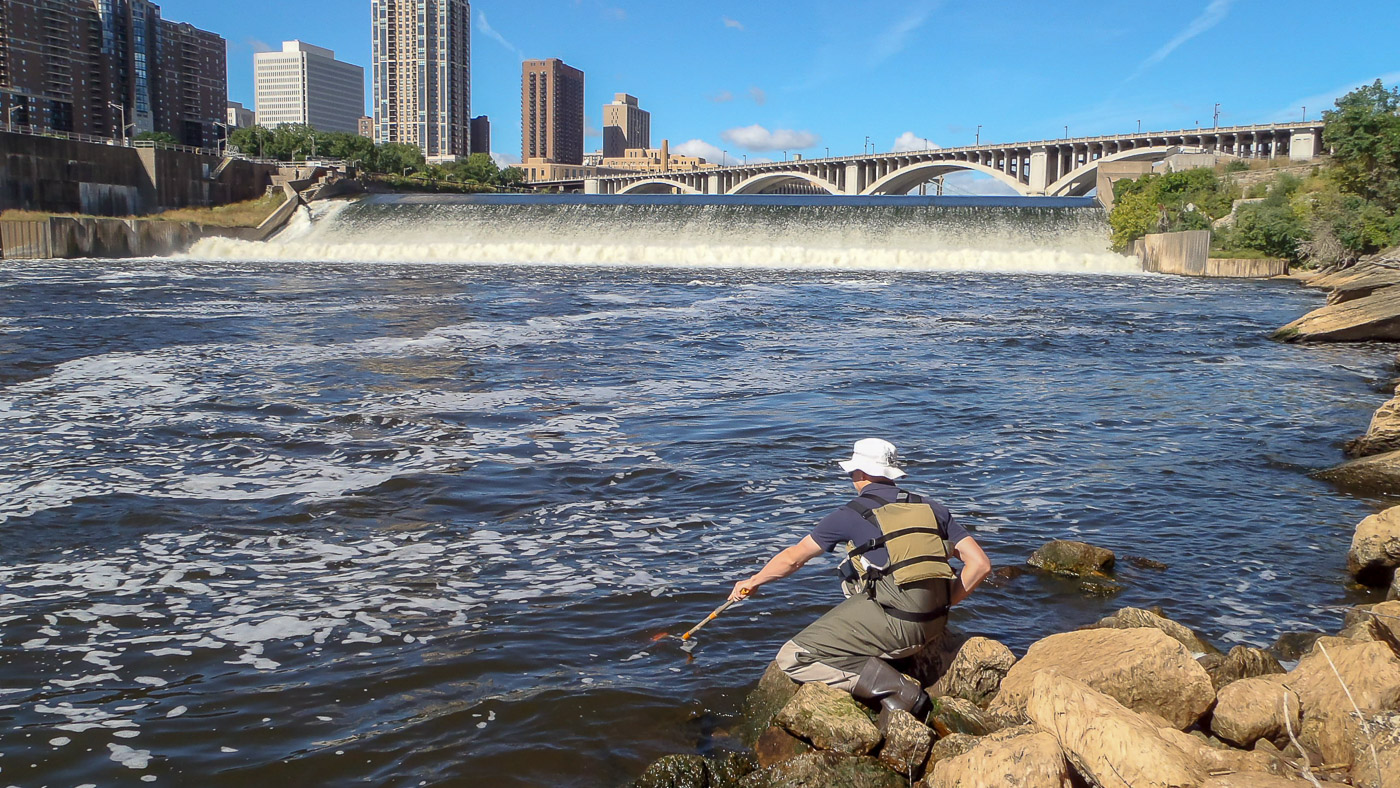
{"type": "Point", "coordinates": [808, 77]}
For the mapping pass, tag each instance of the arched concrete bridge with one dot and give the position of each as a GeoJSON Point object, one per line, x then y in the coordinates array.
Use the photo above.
{"type": "Point", "coordinates": [1053, 168]}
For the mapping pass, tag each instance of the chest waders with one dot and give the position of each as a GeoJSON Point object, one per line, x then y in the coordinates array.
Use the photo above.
{"type": "Point", "coordinates": [917, 544]}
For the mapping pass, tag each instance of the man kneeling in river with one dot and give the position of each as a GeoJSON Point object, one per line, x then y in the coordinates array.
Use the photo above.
{"type": "Point", "coordinates": [897, 578]}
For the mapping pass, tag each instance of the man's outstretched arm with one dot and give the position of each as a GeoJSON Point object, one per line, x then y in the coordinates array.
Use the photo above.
{"type": "Point", "coordinates": [976, 567]}
{"type": "Point", "coordinates": [786, 562]}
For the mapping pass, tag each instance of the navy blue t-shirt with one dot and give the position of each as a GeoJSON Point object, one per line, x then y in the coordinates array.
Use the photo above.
{"type": "Point", "coordinates": [844, 525]}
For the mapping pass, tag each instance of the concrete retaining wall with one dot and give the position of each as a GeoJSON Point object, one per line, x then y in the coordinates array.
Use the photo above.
{"type": "Point", "coordinates": [67, 238]}
{"type": "Point", "coordinates": [66, 176]}
{"type": "Point", "coordinates": [1188, 254]}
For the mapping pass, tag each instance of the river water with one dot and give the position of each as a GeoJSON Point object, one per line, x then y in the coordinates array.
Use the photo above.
{"type": "Point", "coordinates": [352, 506]}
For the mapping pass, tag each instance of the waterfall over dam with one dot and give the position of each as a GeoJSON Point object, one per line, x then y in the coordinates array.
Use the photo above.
{"type": "Point", "coordinates": [989, 234]}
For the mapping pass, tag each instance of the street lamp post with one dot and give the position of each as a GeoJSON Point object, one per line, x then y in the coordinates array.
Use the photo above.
{"type": "Point", "coordinates": [1216, 122]}
{"type": "Point", "coordinates": [866, 149]}
{"type": "Point", "coordinates": [784, 155]}
{"type": "Point", "coordinates": [1305, 113]}
{"type": "Point", "coordinates": [1139, 127]}
{"type": "Point", "coordinates": [121, 108]}
{"type": "Point", "coordinates": [221, 143]}
{"type": "Point", "coordinates": [12, 111]}
{"type": "Point", "coordinates": [979, 135]}
{"type": "Point", "coordinates": [828, 151]}
{"type": "Point", "coordinates": [724, 157]}
{"type": "Point", "coordinates": [1066, 132]}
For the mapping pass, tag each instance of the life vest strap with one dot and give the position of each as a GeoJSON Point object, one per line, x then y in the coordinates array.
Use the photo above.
{"type": "Point", "coordinates": [880, 541]}
{"type": "Point", "coordinates": [918, 618]}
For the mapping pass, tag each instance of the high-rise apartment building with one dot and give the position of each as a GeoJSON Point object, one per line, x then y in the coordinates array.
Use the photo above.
{"type": "Point", "coordinates": [97, 66]}
{"type": "Point", "coordinates": [305, 84]}
{"type": "Point", "coordinates": [481, 134]}
{"type": "Point", "coordinates": [625, 125]}
{"type": "Point", "coordinates": [551, 112]}
{"type": "Point", "coordinates": [422, 74]}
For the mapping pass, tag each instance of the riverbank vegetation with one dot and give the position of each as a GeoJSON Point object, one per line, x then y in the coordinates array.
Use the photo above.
{"type": "Point", "coordinates": [396, 163]}
{"type": "Point", "coordinates": [1344, 208]}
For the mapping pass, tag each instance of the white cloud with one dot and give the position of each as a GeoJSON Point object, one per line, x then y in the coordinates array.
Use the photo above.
{"type": "Point", "coordinates": [722, 96]}
{"type": "Point", "coordinates": [893, 40]}
{"type": "Point", "coordinates": [732, 23]}
{"type": "Point", "coordinates": [486, 28]}
{"type": "Point", "coordinates": [975, 183]}
{"type": "Point", "coordinates": [1212, 16]}
{"type": "Point", "coordinates": [704, 150]}
{"type": "Point", "coordinates": [760, 96]}
{"type": "Point", "coordinates": [758, 138]}
{"type": "Point", "coordinates": [909, 141]}
{"type": "Point", "coordinates": [258, 46]}
{"type": "Point", "coordinates": [504, 160]}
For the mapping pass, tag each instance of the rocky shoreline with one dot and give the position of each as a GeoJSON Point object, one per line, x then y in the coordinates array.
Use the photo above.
{"type": "Point", "coordinates": [1136, 699]}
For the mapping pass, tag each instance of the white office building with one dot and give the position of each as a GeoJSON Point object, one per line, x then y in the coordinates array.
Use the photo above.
{"type": "Point", "coordinates": [306, 84]}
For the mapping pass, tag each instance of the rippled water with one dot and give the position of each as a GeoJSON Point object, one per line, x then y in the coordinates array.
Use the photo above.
{"type": "Point", "coordinates": [286, 523]}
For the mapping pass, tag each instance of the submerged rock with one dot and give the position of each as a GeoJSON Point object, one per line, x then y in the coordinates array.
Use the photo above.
{"type": "Point", "coordinates": [1374, 317]}
{"type": "Point", "coordinates": [1371, 674]}
{"type": "Point", "coordinates": [1147, 563]}
{"type": "Point", "coordinates": [676, 771]}
{"type": "Point", "coordinates": [1143, 668]}
{"type": "Point", "coordinates": [907, 745]}
{"type": "Point", "coordinates": [1242, 662]}
{"type": "Point", "coordinates": [1110, 745]}
{"type": "Point", "coordinates": [1293, 645]}
{"type": "Point", "coordinates": [761, 705]}
{"type": "Point", "coordinates": [830, 719]}
{"type": "Point", "coordinates": [975, 674]}
{"type": "Point", "coordinates": [1375, 546]}
{"type": "Point", "coordinates": [1252, 709]}
{"type": "Point", "coordinates": [777, 745]}
{"type": "Point", "coordinates": [825, 770]}
{"type": "Point", "coordinates": [1133, 617]}
{"type": "Point", "coordinates": [1379, 768]}
{"type": "Point", "coordinates": [1018, 758]}
{"type": "Point", "coordinates": [1378, 473]}
{"type": "Point", "coordinates": [1074, 559]}
{"type": "Point", "coordinates": [957, 715]}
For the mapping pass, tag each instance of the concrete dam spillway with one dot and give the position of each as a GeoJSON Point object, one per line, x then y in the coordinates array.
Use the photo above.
{"type": "Point", "coordinates": [982, 234]}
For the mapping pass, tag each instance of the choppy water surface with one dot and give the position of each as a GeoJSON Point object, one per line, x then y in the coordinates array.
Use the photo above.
{"type": "Point", "coordinates": [287, 523]}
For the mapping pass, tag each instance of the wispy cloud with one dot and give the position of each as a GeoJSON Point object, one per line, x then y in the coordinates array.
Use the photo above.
{"type": "Point", "coordinates": [757, 138]}
{"type": "Point", "coordinates": [722, 97]}
{"type": "Point", "coordinates": [504, 160]}
{"type": "Point", "coordinates": [490, 32]}
{"type": "Point", "coordinates": [759, 95]}
{"type": "Point", "coordinates": [895, 38]}
{"type": "Point", "coordinates": [1213, 15]}
{"type": "Point", "coordinates": [732, 23]}
{"type": "Point", "coordinates": [909, 141]}
{"type": "Point", "coordinates": [258, 46]}
{"type": "Point", "coordinates": [1325, 100]}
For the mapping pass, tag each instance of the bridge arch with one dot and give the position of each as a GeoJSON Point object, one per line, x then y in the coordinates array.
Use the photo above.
{"type": "Point", "coordinates": [1082, 180]}
{"type": "Point", "coordinates": [902, 180]}
{"type": "Point", "coordinates": [657, 186]}
{"type": "Point", "coordinates": [758, 184]}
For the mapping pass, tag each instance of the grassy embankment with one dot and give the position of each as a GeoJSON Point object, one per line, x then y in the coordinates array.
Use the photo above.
{"type": "Point", "coordinates": [249, 213]}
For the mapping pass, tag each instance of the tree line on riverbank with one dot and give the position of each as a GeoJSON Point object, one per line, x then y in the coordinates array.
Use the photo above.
{"type": "Point", "coordinates": [1343, 209]}
{"type": "Point", "coordinates": [396, 164]}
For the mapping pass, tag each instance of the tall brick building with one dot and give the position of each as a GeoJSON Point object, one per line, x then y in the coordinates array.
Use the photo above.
{"type": "Point", "coordinates": [551, 112]}
{"type": "Point", "coordinates": [80, 65]}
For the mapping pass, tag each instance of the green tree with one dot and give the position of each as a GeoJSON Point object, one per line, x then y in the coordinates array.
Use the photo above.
{"type": "Point", "coordinates": [511, 176]}
{"type": "Point", "coordinates": [1364, 135]}
{"type": "Point", "coordinates": [1187, 200]}
{"type": "Point", "coordinates": [157, 136]}
{"type": "Point", "coordinates": [394, 157]}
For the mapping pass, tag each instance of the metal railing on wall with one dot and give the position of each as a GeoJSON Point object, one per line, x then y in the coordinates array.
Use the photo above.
{"type": "Point", "coordinates": [40, 131]}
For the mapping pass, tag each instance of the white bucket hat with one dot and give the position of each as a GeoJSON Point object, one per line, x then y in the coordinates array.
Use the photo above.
{"type": "Point", "coordinates": [876, 457]}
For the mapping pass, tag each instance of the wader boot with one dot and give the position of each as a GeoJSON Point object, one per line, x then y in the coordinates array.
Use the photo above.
{"type": "Point", "coordinates": [878, 682]}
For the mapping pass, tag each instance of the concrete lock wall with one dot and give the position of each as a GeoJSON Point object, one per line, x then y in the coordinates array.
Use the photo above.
{"type": "Point", "coordinates": [1188, 254]}
{"type": "Point", "coordinates": [63, 237]}
{"type": "Point", "coordinates": [55, 175]}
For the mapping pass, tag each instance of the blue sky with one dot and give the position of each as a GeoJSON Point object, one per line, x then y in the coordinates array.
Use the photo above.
{"type": "Point", "coordinates": [754, 78]}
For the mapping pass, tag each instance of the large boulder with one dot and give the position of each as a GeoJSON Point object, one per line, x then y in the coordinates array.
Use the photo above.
{"type": "Point", "coordinates": [956, 715]}
{"type": "Point", "coordinates": [1110, 745]}
{"type": "Point", "coordinates": [1075, 559]}
{"type": "Point", "coordinates": [777, 745]}
{"type": "Point", "coordinates": [761, 705]}
{"type": "Point", "coordinates": [1252, 709]}
{"type": "Point", "coordinates": [1378, 473]}
{"type": "Point", "coordinates": [1224, 759]}
{"type": "Point", "coordinates": [1394, 593]}
{"type": "Point", "coordinates": [1359, 281]}
{"type": "Point", "coordinates": [830, 719]}
{"type": "Point", "coordinates": [1375, 547]}
{"type": "Point", "coordinates": [1375, 751]}
{"type": "Point", "coordinates": [1382, 435]}
{"type": "Point", "coordinates": [976, 672]}
{"type": "Point", "coordinates": [1377, 316]}
{"type": "Point", "coordinates": [1336, 674]}
{"type": "Point", "coordinates": [907, 745]}
{"type": "Point", "coordinates": [1143, 668]}
{"type": "Point", "coordinates": [1257, 780]}
{"type": "Point", "coordinates": [1135, 617]}
{"type": "Point", "coordinates": [1015, 758]}
{"type": "Point", "coordinates": [1243, 662]}
{"type": "Point", "coordinates": [950, 747]}
{"type": "Point", "coordinates": [825, 770]}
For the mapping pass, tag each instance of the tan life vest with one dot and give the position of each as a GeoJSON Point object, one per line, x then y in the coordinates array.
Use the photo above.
{"type": "Point", "coordinates": [910, 531]}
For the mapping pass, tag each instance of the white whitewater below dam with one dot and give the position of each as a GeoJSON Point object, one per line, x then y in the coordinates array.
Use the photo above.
{"type": "Point", "coordinates": [828, 235]}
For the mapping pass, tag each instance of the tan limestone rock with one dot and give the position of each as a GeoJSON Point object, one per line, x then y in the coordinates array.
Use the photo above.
{"type": "Point", "coordinates": [1376, 752]}
{"type": "Point", "coordinates": [1385, 624]}
{"type": "Point", "coordinates": [1371, 674]}
{"type": "Point", "coordinates": [1382, 435]}
{"type": "Point", "coordinates": [1132, 617]}
{"type": "Point", "coordinates": [956, 715]}
{"type": "Point", "coordinates": [975, 674]}
{"type": "Point", "coordinates": [1375, 547]}
{"type": "Point", "coordinates": [1143, 668]}
{"type": "Point", "coordinates": [1218, 760]}
{"type": "Point", "coordinates": [950, 747]}
{"type": "Point", "coordinates": [1252, 709]}
{"type": "Point", "coordinates": [1242, 662]}
{"type": "Point", "coordinates": [1020, 757]}
{"type": "Point", "coordinates": [1378, 473]}
{"type": "Point", "coordinates": [830, 719]}
{"type": "Point", "coordinates": [907, 744]}
{"type": "Point", "coordinates": [1109, 744]}
{"type": "Point", "coordinates": [1375, 317]}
